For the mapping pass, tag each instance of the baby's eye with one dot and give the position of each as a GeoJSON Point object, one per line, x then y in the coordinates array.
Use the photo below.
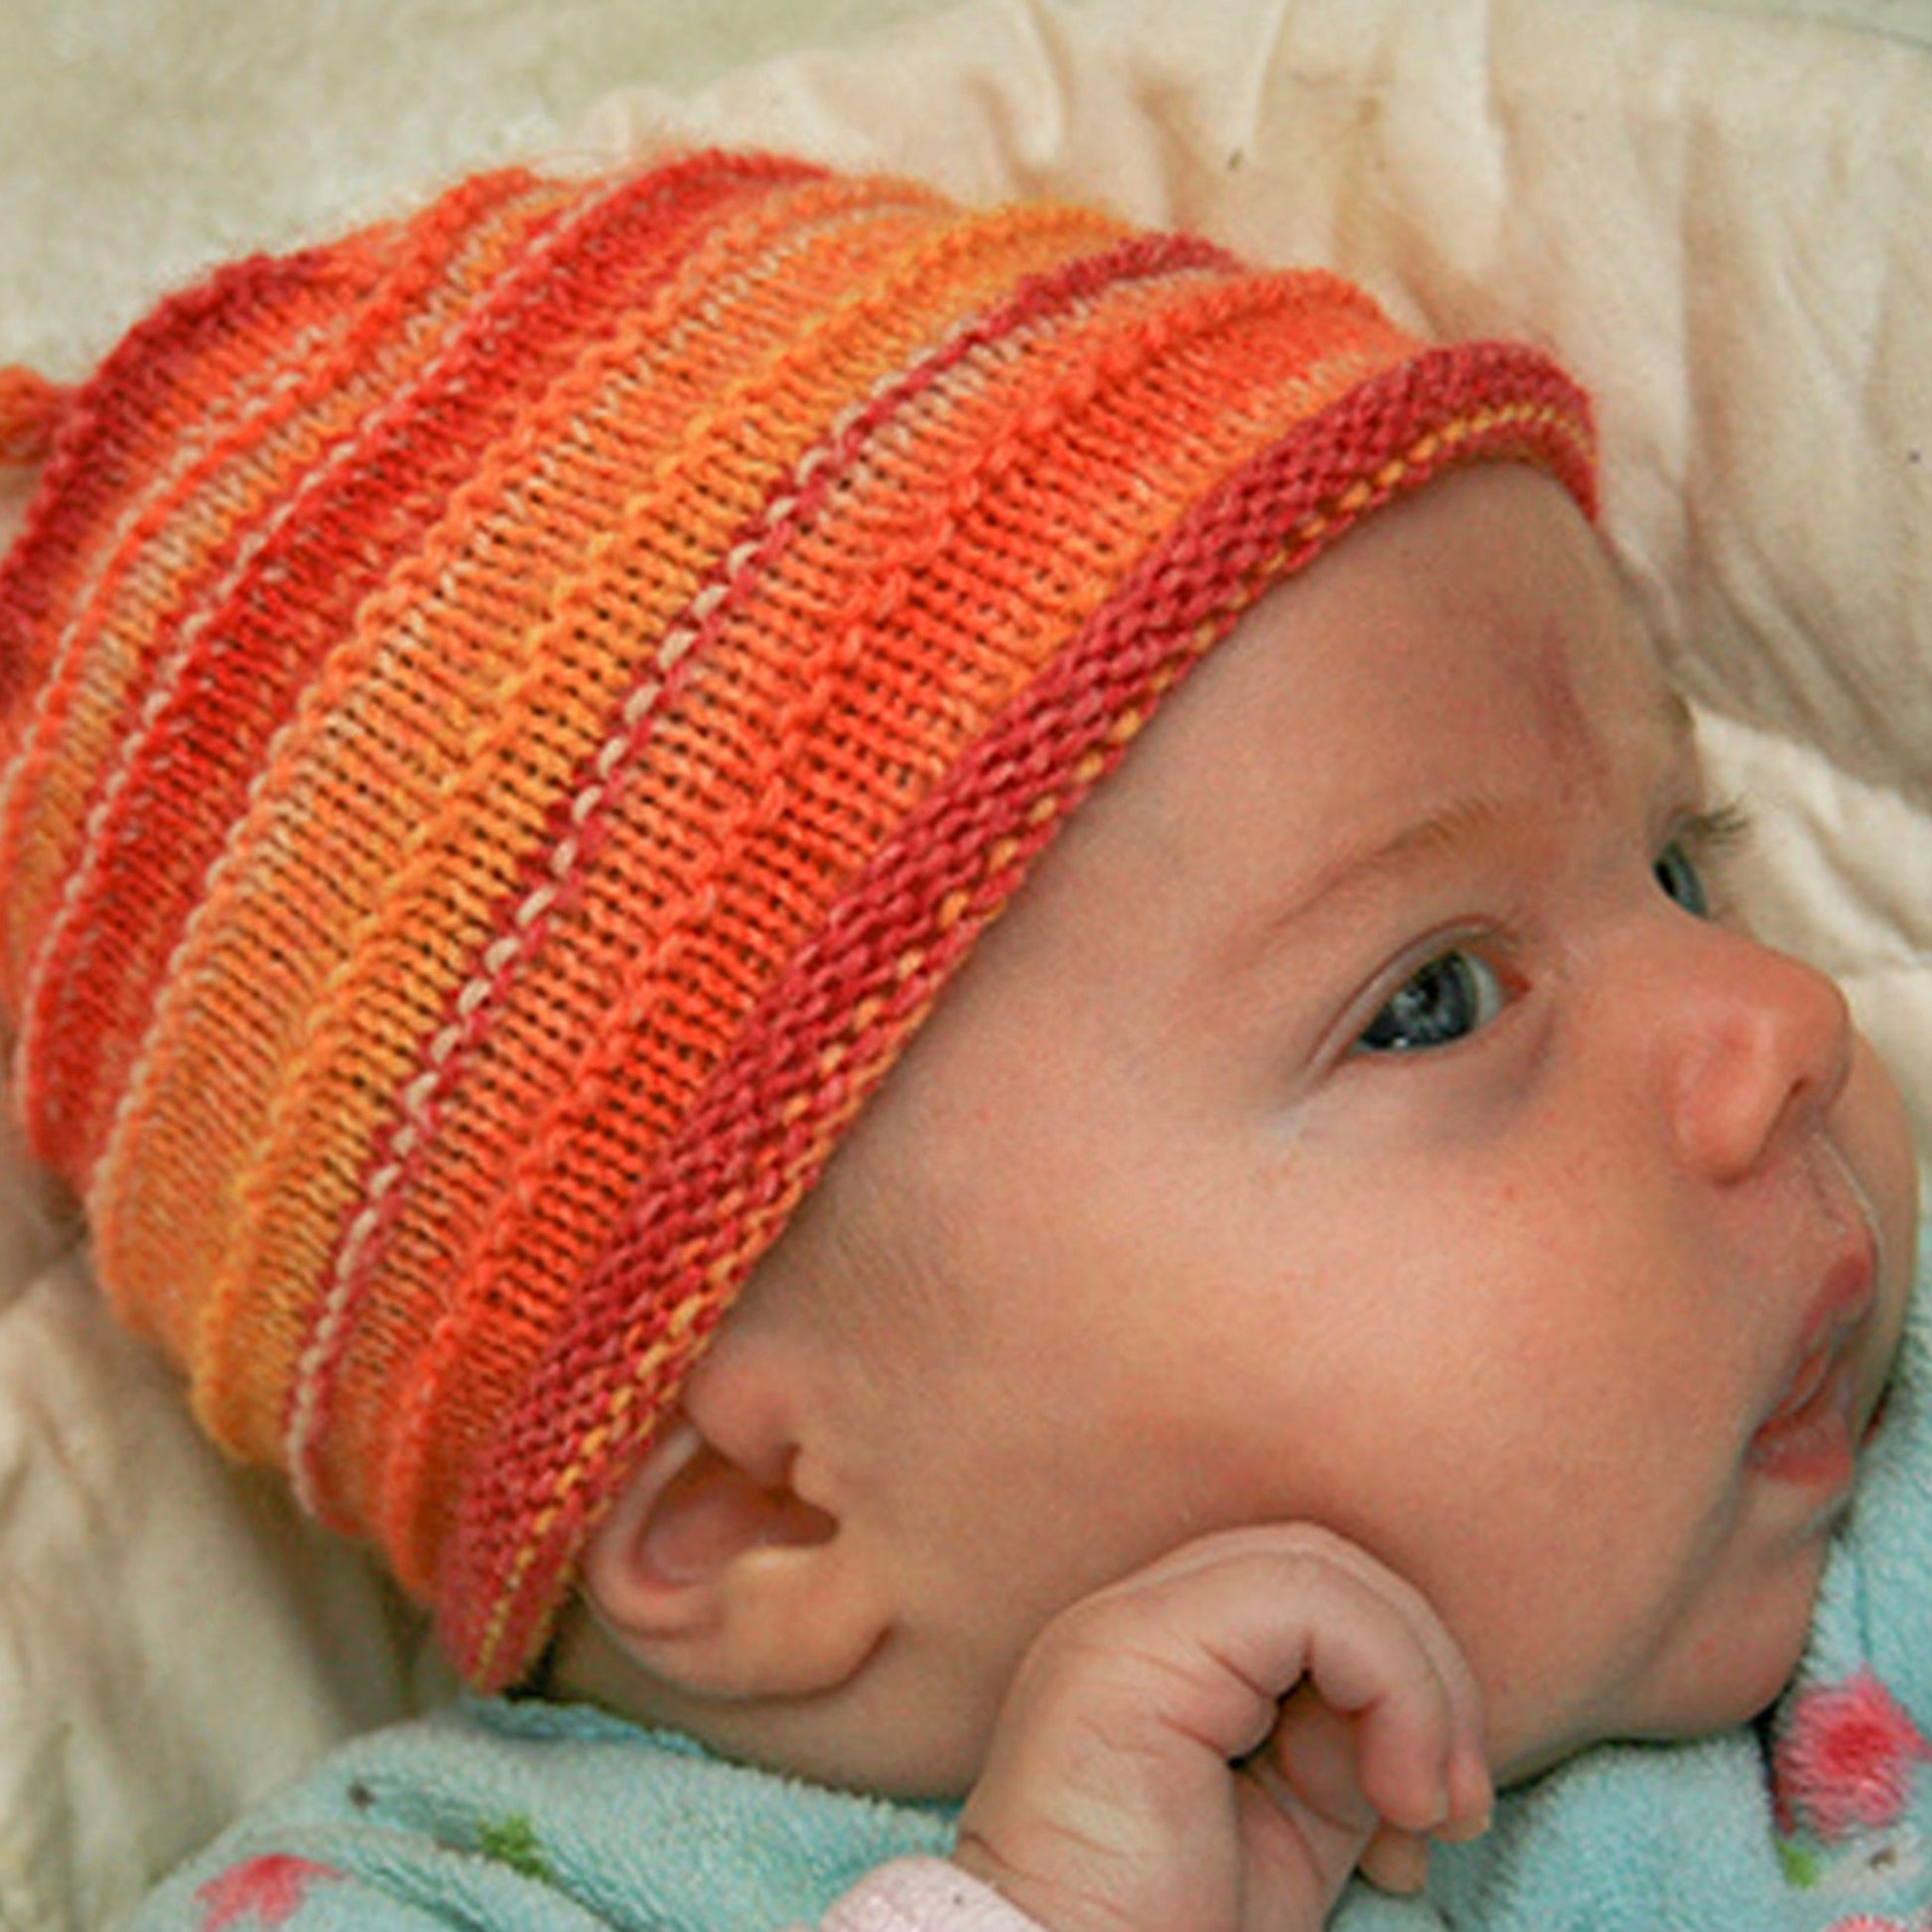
{"type": "Point", "coordinates": [1445, 1000]}
{"type": "Point", "coordinates": [1679, 867]}
{"type": "Point", "coordinates": [1676, 873]}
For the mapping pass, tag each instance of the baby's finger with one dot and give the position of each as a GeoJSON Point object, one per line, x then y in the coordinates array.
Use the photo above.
{"type": "Point", "coordinates": [1396, 1860]}
{"type": "Point", "coordinates": [1275, 1608]}
{"type": "Point", "coordinates": [1391, 1618]}
{"type": "Point", "coordinates": [1388, 1723]}
{"type": "Point", "coordinates": [1312, 1754]}
{"type": "Point", "coordinates": [1419, 1751]}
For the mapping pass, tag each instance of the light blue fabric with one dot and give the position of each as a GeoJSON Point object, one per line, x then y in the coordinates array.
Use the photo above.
{"type": "Point", "coordinates": [529, 1816]}
{"type": "Point", "coordinates": [538, 1818]}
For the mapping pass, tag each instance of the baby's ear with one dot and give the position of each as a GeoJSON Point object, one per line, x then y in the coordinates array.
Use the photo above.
{"type": "Point", "coordinates": [720, 1579]}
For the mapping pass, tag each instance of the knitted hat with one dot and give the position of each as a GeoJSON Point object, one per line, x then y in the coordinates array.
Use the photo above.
{"type": "Point", "coordinates": [512, 719]}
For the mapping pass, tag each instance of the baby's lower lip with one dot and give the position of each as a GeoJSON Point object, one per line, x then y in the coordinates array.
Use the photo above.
{"type": "Point", "coordinates": [1811, 1442]}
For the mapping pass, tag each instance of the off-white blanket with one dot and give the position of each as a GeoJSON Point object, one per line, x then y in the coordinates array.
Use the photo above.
{"type": "Point", "coordinates": [1721, 218]}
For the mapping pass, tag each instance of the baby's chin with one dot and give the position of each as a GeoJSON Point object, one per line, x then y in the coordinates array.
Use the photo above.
{"type": "Point", "coordinates": [1752, 1678]}
{"type": "Point", "coordinates": [1732, 1679]}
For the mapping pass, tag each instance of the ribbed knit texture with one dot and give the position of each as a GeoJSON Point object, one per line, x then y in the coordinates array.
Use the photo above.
{"type": "Point", "coordinates": [512, 719]}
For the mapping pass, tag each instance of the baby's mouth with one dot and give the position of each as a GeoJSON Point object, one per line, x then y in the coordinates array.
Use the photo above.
{"type": "Point", "coordinates": [1813, 1433]}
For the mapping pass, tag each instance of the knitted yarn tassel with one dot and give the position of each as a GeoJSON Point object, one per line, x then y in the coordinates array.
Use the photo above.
{"type": "Point", "coordinates": [31, 408]}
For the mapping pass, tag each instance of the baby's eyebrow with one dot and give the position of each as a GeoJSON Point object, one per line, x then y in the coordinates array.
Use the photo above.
{"type": "Point", "coordinates": [1369, 862]}
{"type": "Point", "coordinates": [1377, 858]}
{"type": "Point", "coordinates": [1461, 821]}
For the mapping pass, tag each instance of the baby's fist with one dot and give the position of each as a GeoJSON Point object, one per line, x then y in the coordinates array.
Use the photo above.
{"type": "Point", "coordinates": [1216, 1743]}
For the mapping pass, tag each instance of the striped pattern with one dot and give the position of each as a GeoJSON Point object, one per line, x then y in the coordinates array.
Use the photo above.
{"type": "Point", "coordinates": [511, 720]}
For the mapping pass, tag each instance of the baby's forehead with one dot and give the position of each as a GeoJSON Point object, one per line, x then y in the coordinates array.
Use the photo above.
{"type": "Point", "coordinates": [1483, 609]}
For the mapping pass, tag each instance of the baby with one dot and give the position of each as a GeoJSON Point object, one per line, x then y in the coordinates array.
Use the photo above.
{"type": "Point", "coordinates": [957, 1336]}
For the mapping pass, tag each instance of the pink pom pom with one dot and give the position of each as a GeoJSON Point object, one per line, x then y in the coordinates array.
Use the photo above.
{"type": "Point", "coordinates": [1845, 1759]}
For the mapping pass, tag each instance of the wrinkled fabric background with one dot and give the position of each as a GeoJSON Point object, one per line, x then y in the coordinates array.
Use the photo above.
{"type": "Point", "coordinates": [1715, 212]}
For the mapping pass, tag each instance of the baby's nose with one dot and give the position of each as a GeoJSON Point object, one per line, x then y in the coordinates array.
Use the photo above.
{"type": "Point", "coordinates": [1758, 1041]}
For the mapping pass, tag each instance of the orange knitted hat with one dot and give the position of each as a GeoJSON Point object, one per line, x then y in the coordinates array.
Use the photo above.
{"type": "Point", "coordinates": [511, 719]}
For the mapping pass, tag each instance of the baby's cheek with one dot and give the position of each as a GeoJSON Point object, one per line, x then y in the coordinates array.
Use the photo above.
{"type": "Point", "coordinates": [1613, 1618]}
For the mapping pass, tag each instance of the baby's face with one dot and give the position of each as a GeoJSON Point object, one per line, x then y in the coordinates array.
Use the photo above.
{"type": "Point", "coordinates": [1370, 1114]}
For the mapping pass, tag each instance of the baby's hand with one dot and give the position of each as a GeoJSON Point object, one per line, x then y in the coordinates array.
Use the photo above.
{"type": "Point", "coordinates": [1216, 1742]}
